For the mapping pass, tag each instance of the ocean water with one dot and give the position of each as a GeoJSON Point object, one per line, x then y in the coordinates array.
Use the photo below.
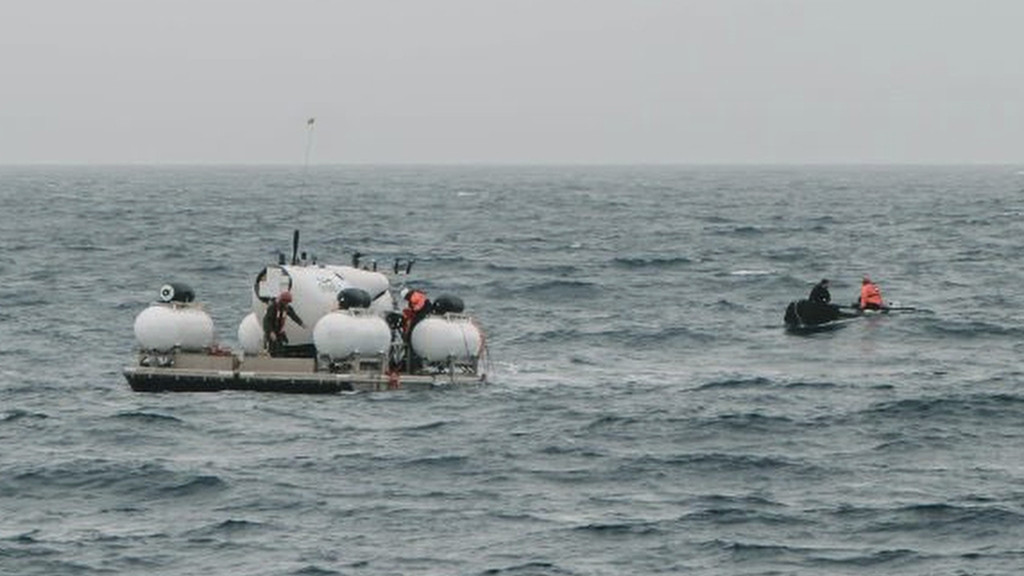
{"type": "Point", "coordinates": [647, 413]}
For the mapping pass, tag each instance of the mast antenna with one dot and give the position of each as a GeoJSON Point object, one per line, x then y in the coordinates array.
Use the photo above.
{"type": "Point", "coordinates": [310, 125]}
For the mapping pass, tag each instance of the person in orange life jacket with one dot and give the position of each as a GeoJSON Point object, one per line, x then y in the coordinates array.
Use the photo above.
{"type": "Point", "coordinates": [870, 296]}
{"type": "Point", "coordinates": [417, 307]}
{"type": "Point", "coordinates": [278, 309]}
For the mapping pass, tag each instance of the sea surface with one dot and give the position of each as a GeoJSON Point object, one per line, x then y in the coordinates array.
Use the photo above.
{"type": "Point", "coordinates": [646, 413]}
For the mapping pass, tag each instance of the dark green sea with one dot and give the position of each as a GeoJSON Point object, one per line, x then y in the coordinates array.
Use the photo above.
{"type": "Point", "coordinates": [647, 412]}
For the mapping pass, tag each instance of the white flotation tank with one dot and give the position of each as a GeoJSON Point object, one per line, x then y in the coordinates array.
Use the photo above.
{"type": "Point", "coordinates": [164, 326]}
{"type": "Point", "coordinates": [314, 289]}
{"type": "Point", "coordinates": [455, 336]}
{"type": "Point", "coordinates": [344, 333]}
{"type": "Point", "coordinates": [374, 283]}
{"type": "Point", "coordinates": [250, 334]}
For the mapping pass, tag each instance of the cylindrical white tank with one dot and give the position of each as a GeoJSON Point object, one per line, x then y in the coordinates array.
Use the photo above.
{"type": "Point", "coordinates": [164, 326]}
{"type": "Point", "coordinates": [314, 291]}
{"type": "Point", "coordinates": [250, 334]}
{"type": "Point", "coordinates": [374, 283]}
{"type": "Point", "coordinates": [344, 333]}
{"type": "Point", "coordinates": [437, 338]}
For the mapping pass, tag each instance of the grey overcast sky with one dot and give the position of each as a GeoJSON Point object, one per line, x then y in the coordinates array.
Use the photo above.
{"type": "Point", "coordinates": [512, 81]}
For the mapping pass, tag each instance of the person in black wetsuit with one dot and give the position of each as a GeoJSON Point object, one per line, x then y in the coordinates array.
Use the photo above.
{"type": "Point", "coordinates": [820, 293]}
{"type": "Point", "coordinates": [818, 307]}
{"type": "Point", "coordinates": [274, 337]}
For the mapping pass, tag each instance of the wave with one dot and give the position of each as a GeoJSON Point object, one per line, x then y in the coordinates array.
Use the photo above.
{"type": "Point", "coordinates": [754, 272]}
{"type": "Point", "coordinates": [194, 485]}
{"type": "Point", "coordinates": [426, 426]}
{"type": "Point", "coordinates": [87, 248]}
{"type": "Point", "coordinates": [814, 557]}
{"type": "Point", "coordinates": [755, 551]}
{"type": "Point", "coordinates": [624, 338]}
{"type": "Point", "coordinates": [229, 527]}
{"type": "Point", "coordinates": [21, 538]}
{"type": "Point", "coordinates": [639, 263]}
{"type": "Point", "coordinates": [933, 519]}
{"type": "Point", "coordinates": [666, 337]}
{"type": "Point", "coordinates": [29, 298]}
{"type": "Point", "coordinates": [560, 268]}
{"type": "Point", "coordinates": [790, 255]}
{"type": "Point", "coordinates": [987, 407]}
{"type": "Point", "coordinates": [572, 449]}
{"type": "Point", "coordinates": [726, 306]}
{"type": "Point", "coordinates": [741, 230]}
{"type": "Point", "coordinates": [315, 571]}
{"type": "Point", "coordinates": [145, 481]}
{"type": "Point", "coordinates": [970, 329]}
{"type": "Point", "coordinates": [620, 529]}
{"type": "Point", "coordinates": [17, 414]}
{"type": "Point", "coordinates": [747, 501]}
{"type": "Point", "coordinates": [735, 384]}
{"type": "Point", "coordinates": [147, 417]}
{"type": "Point", "coordinates": [560, 289]}
{"type": "Point", "coordinates": [534, 568]}
{"type": "Point", "coordinates": [900, 556]}
{"type": "Point", "coordinates": [439, 461]}
{"type": "Point", "coordinates": [613, 421]}
{"type": "Point", "coordinates": [810, 385]}
{"type": "Point", "coordinates": [939, 516]}
{"type": "Point", "coordinates": [716, 462]}
{"type": "Point", "coordinates": [748, 422]}
{"type": "Point", "coordinates": [210, 268]}
{"type": "Point", "coordinates": [742, 514]}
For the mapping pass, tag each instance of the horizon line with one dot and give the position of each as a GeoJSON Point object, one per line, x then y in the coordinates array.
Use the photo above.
{"type": "Point", "coordinates": [503, 164]}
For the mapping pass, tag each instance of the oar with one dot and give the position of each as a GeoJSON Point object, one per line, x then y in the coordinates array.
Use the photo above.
{"type": "Point", "coordinates": [894, 308]}
{"type": "Point", "coordinates": [884, 308]}
{"type": "Point", "coordinates": [845, 307]}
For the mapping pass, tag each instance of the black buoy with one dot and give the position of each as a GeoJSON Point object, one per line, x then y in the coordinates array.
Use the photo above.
{"type": "Point", "coordinates": [445, 304]}
{"type": "Point", "coordinates": [177, 292]}
{"type": "Point", "coordinates": [353, 298]}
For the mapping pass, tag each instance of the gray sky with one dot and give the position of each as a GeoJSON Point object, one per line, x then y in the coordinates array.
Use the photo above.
{"type": "Point", "coordinates": [503, 81]}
